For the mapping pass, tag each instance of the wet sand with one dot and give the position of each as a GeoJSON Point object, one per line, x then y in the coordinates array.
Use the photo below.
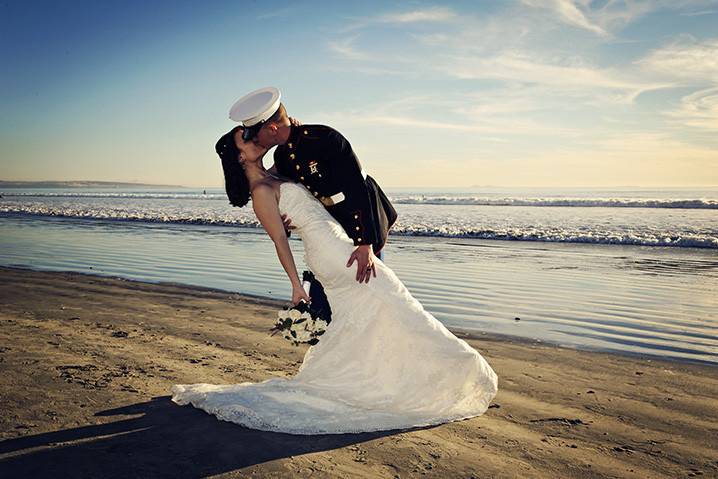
{"type": "Point", "coordinates": [87, 362]}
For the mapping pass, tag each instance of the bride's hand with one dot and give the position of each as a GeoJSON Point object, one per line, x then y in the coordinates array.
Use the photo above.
{"type": "Point", "coordinates": [299, 294]}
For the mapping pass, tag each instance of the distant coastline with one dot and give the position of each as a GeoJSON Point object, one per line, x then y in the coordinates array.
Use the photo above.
{"type": "Point", "coordinates": [413, 189]}
{"type": "Point", "coordinates": [78, 184]}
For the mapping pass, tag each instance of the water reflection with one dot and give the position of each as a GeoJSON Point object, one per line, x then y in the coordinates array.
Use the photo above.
{"type": "Point", "coordinates": [640, 299]}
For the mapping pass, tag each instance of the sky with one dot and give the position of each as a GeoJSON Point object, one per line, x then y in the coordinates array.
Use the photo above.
{"type": "Point", "coordinates": [538, 93]}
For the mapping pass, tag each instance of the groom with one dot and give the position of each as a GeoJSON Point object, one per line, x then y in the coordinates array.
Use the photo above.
{"type": "Point", "coordinates": [321, 159]}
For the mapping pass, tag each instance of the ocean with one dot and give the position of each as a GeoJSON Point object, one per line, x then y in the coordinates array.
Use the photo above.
{"type": "Point", "coordinates": [625, 270]}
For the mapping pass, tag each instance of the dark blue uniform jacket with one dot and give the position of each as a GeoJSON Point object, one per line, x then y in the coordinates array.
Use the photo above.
{"type": "Point", "coordinates": [321, 159]}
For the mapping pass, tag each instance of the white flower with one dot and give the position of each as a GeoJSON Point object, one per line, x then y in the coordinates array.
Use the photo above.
{"type": "Point", "coordinates": [294, 314]}
{"type": "Point", "coordinates": [303, 335]}
{"type": "Point", "coordinates": [320, 326]}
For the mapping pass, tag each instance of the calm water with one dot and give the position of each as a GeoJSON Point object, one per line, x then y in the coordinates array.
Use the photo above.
{"type": "Point", "coordinates": [635, 272]}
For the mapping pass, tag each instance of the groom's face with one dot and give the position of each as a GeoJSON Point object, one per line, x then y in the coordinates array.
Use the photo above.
{"type": "Point", "coordinates": [266, 136]}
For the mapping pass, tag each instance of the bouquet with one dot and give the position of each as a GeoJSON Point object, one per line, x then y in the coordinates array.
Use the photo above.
{"type": "Point", "coordinates": [300, 324]}
{"type": "Point", "coordinates": [305, 322]}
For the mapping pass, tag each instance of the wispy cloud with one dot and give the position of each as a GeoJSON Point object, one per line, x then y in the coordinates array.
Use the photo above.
{"type": "Point", "coordinates": [699, 13]}
{"type": "Point", "coordinates": [494, 48]}
{"type": "Point", "coordinates": [490, 125]}
{"type": "Point", "coordinates": [573, 73]}
{"type": "Point", "coordinates": [569, 12]}
{"type": "Point", "coordinates": [522, 67]}
{"type": "Point", "coordinates": [435, 14]}
{"type": "Point", "coordinates": [402, 18]}
{"type": "Point", "coordinates": [698, 110]}
{"type": "Point", "coordinates": [345, 48]}
{"type": "Point", "coordinates": [689, 62]}
{"type": "Point", "coordinates": [687, 59]}
{"type": "Point", "coordinates": [604, 18]}
{"type": "Point", "coordinates": [516, 85]}
{"type": "Point", "coordinates": [277, 13]}
{"type": "Point", "coordinates": [492, 113]}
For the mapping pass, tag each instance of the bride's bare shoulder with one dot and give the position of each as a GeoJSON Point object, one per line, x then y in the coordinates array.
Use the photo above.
{"type": "Point", "coordinates": [265, 191]}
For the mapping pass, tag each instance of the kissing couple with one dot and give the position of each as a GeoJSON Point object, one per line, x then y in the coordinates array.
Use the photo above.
{"type": "Point", "coordinates": [384, 362]}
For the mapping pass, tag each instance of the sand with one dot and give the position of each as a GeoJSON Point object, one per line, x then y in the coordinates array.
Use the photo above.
{"type": "Point", "coordinates": [87, 363]}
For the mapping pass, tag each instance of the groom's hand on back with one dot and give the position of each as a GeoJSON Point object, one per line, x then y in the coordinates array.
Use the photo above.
{"type": "Point", "coordinates": [287, 225]}
{"type": "Point", "coordinates": [364, 256]}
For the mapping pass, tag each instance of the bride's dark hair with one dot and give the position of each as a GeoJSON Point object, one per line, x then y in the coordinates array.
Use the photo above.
{"type": "Point", "coordinates": [235, 181]}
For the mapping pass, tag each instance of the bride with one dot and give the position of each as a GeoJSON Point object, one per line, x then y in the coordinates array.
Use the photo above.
{"type": "Point", "coordinates": [383, 363]}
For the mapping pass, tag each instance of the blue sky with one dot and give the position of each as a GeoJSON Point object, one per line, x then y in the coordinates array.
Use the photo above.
{"type": "Point", "coordinates": [512, 93]}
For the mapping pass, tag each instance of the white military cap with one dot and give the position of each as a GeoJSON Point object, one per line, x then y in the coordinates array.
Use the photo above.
{"type": "Point", "coordinates": [254, 108]}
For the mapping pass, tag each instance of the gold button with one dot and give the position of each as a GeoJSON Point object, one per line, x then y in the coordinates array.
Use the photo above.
{"type": "Point", "coordinates": [356, 216]}
{"type": "Point", "coordinates": [320, 175]}
{"type": "Point", "coordinates": [357, 228]}
{"type": "Point", "coordinates": [301, 178]}
{"type": "Point", "coordinates": [359, 240]}
{"type": "Point", "coordinates": [297, 166]}
{"type": "Point", "coordinates": [316, 193]}
{"type": "Point", "coordinates": [291, 156]}
{"type": "Point", "coordinates": [306, 132]}
{"type": "Point", "coordinates": [290, 145]}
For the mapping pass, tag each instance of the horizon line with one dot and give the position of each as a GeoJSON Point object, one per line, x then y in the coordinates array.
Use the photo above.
{"type": "Point", "coordinates": [140, 183]}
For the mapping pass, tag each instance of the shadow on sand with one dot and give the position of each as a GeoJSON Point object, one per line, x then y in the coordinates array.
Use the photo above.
{"type": "Point", "coordinates": [166, 440]}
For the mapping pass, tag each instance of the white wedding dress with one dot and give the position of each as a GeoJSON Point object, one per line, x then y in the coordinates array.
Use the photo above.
{"type": "Point", "coordinates": [383, 362]}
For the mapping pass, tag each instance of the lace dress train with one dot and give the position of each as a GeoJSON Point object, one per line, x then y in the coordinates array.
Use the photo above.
{"type": "Point", "coordinates": [383, 363]}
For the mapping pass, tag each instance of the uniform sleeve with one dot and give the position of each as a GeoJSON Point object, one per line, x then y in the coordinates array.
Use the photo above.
{"type": "Point", "coordinates": [279, 165]}
{"type": "Point", "coordinates": [347, 170]}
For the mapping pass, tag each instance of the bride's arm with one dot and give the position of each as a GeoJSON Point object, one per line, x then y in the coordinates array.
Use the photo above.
{"type": "Point", "coordinates": [266, 208]}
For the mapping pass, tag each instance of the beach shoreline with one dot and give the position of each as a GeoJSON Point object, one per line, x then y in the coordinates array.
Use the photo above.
{"type": "Point", "coordinates": [463, 333]}
{"type": "Point", "coordinates": [87, 363]}
{"type": "Point", "coordinates": [601, 297]}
